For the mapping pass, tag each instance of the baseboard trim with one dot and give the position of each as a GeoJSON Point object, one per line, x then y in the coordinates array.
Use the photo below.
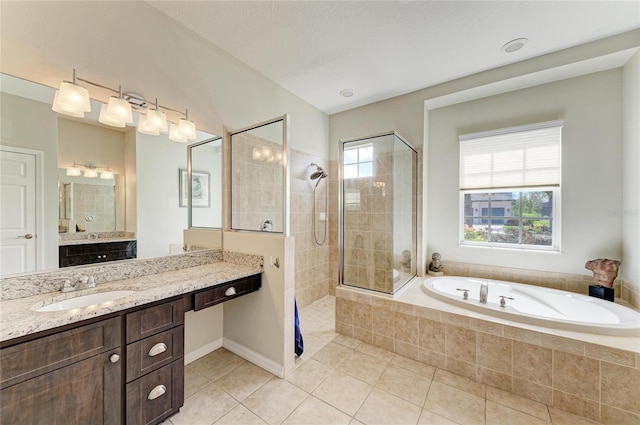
{"type": "Point", "coordinates": [255, 358]}
{"type": "Point", "coordinates": [202, 351]}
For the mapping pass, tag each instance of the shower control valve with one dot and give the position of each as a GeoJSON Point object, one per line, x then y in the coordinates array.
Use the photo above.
{"type": "Point", "coordinates": [465, 294]}
{"type": "Point", "coordinates": [503, 303]}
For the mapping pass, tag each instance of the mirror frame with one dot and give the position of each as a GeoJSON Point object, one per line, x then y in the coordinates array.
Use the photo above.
{"type": "Point", "coordinates": [285, 172]}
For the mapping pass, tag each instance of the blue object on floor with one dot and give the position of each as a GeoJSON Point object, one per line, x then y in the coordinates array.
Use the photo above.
{"type": "Point", "coordinates": [299, 343]}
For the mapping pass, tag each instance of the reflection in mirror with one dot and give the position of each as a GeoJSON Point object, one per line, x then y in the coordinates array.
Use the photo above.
{"type": "Point", "coordinates": [90, 205]}
{"type": "Point", "coordinates": [205, 166]}
{"type": "Point", "coordinates": [147, 209]}
{"type": "Point", "coordinates": [257, 177]}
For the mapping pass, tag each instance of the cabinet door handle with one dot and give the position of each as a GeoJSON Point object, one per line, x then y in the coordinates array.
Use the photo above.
{"type": "Point", "coordinates": [157, 392]}
{"type": "Point", "coordinates": [160, 347]}
{"type": "Point", "coordinates": [230, 291]}
{"type": "Point", "coordinates": [114, 358]}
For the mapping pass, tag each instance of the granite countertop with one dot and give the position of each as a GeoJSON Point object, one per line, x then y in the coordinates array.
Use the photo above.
{"type": "Point", "coordinates": [18, 319]}
{"type": "Point", "coordinates": [89, 241]}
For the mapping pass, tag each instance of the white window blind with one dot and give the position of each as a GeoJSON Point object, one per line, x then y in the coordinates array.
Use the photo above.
{"type": "Point", "coordinates": [525, 156]}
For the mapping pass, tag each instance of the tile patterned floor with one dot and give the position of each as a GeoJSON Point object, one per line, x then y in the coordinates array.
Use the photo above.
{"type": "Point", "coordinates": [339, 380]}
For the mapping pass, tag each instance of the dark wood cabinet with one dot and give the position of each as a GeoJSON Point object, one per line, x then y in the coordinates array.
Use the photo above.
{"type": "Point", "coordinates": [155, 363]}
{"type": "Point", "coordinates": [89, 253]}
{"type": "Point", "coordinates": [126, 368]}
{"type": "Point", "coordinates": [228, 291]}
{"type": "Point", "coordinates": [74, 377]}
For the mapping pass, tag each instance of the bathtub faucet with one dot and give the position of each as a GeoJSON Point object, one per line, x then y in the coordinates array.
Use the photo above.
{"type": "Point", "coordinates": [484, 291]}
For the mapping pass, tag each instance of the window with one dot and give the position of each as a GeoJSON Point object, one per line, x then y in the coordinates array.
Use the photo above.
{"type": "Point", "coordinates": [510, 186]}
{"type": "Point", "coordinates": [358, 162]}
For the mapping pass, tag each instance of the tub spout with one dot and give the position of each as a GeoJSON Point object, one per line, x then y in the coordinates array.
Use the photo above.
{"type": "Point", "coordinates": [484, 291]}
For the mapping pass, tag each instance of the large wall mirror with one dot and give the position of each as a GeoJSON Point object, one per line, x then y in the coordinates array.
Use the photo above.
{"type": "Point", "coordinates": [205, 169]}
{"type": "Point", "coordinates": [258, 178]}
{"type": "Point", "coordinates": [144, 200]}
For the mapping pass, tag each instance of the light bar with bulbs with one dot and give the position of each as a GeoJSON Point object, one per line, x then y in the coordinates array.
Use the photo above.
{"type": "Point", "coordinates": [90, 172]}
{"type": "Point", "coordinates": [73, 100]}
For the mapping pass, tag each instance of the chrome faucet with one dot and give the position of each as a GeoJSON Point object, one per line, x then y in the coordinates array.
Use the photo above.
{"type": "Point", "coordinates": [85, 282]}
{"type": "Point", "coordinates": [484, 291]}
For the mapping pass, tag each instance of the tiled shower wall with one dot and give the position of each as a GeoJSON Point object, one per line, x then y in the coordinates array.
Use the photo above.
{"type": "Point", "coordinates": [96, 201]}
{"type": "Point", "coordinates": [257, 184]}
{"type": "Point", "coordinates": [312, 260]}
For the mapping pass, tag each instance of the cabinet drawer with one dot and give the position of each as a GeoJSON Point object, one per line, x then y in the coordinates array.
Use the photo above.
{"type": "Point", "coordinates": [153, 320]}
{"type": "Point", "coordinates": [157, 395]}
{"type": "Point", "coordinates": [33, 358]}
{"type": "Point", "coordinates": [228, 291]}
{"type": "Point", "coordinates": [153, 352]}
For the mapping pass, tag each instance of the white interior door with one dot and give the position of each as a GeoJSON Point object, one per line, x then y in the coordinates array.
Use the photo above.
{"type": "Point", "coordinates": [18, 212]}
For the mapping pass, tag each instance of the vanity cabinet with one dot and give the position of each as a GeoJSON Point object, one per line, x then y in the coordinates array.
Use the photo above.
{"type": "Point", "coordinates": [155, 363]}
{"type": "Point", "coordinates": [72, 377]}
{"type": "Point", "coordinates": [89, 253]}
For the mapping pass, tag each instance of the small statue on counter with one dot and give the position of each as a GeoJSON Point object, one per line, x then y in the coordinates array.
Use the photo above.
{"type": "Point", "coordinates": [604, 271]}
{"type": "Point", "coordinates": [406, 260]}
{"type": "Point", "coordinates": [435, 265]}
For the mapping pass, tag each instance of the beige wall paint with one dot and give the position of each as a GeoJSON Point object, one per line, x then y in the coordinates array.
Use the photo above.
{"type": "Point", "coordinates": [85, 143]}
{"type": "Point", "coordinates": [259, 326]}
{"type": "Point", "coordinates": [17, 129]}
{"type": "Point", "coordinates": [591, 107]}
{"type": "Point", "coordinates": [631, 172]}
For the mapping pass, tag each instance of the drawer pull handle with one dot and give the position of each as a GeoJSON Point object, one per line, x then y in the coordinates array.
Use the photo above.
{"type": "Point", "coordinates": [160, 347]}
{"type": "Point", "coordinates": [230, 291]}
{"type": "Point", "coordinates": [157, 392]}
{"type": "Point", "coordinates": [114, 358]}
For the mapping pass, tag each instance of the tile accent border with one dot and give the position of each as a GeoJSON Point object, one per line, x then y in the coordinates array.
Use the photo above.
{"type": "Point", "coordinates": [51, 281]}
{"type": "Point", "coordinates": [590, 380]}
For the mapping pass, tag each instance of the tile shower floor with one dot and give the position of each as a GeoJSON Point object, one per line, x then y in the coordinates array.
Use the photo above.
{"type": "Point", "coordinates": [339, 380]}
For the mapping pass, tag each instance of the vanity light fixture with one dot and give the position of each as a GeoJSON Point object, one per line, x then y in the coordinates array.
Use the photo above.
{"type": "Point", "coordinates": [116, 113]}
{"type": "Point", "coordinates": [90, 171]}
{"type": "Point", "coordinates": [73, 100]}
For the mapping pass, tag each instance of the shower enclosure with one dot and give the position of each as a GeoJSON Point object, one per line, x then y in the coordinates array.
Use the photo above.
{"type": "Point", "coordinates": [378, 212]}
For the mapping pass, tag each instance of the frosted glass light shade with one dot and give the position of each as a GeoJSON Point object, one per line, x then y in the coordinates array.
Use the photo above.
{"type": "Point", "coordinates": [106, 175]}
{"type": "Point", "coordinates": [187, 128]}
{"type": "Point", "coordinates": [158, 120]}
{"type": "Point", "coordinates": [267, 153]}
{"type": "Point", "coordinates": [62, 109]}
{"type": "Point", "coordinates": [116, 113]}
{"type": "Point", "coordinates": [146, 129]}
{"type": "Point", "coordinates": [91, 173]}
{"type": "Point", "coordinates": [256, 155]}
{"type": "Point", "coordinates": [73, 171]}
{"type": "Point", "coordinates": [174, 134]}
{"type": "Point", "coordinates": [71, 99]}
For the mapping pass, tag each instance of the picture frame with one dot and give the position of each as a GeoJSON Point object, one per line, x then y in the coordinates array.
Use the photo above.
{"type": "Point", "coordinates": [201, 187]}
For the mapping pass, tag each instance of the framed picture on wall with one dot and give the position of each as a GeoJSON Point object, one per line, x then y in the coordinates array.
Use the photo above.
{"type": "Point", "coordinates": [200, 188]}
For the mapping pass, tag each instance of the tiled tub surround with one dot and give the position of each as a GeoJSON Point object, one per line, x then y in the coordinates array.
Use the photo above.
{"type": "Point", "coordinates": [594, 376]}
{"type": "Point", "coordinates": [153, 280]}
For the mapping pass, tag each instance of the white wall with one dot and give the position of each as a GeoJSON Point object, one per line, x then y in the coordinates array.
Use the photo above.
{"type": "Point", "coordinates": [133, 44]}
{"type": "Point", "coordinates": [33, 125]}
{"type": "Point", "coordinates": [591, 169]}
{"type": "Point", "coordinates": [631, 171]}
{"type": "Point", "coordinates": [160, 218]}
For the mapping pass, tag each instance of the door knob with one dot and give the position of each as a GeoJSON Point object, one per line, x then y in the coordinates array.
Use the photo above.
{"type": "Point", "coordinates": [27, 236]}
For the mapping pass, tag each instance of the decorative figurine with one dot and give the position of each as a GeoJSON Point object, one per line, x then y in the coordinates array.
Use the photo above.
{"type": "Point", "coordinates": [605, 272]}
{"type": "Point", "coordinates": [435, 268]}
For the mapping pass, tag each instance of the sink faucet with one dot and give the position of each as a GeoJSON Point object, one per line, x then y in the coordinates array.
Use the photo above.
{"type": "Point", "coordinates": [85, 282]}
{"type": "Point", "coordinates": [484, 291]}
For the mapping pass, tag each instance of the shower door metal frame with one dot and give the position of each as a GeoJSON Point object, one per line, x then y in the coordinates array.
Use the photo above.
{"type": "Point", "coordinates": [341, 200]}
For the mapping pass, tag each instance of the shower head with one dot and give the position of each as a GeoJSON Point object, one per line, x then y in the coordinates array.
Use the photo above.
{"type": "Point", "coordinates": [319, 173]}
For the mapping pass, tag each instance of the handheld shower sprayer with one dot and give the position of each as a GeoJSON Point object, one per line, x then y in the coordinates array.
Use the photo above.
{"type": "Point", "coordinates": [319, 175]}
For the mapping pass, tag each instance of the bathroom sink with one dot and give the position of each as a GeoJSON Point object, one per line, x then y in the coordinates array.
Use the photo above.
{"type": "Point", "coordinates": [83, 301]}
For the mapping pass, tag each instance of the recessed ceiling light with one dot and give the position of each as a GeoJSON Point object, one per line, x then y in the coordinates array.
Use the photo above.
{"type": "Point", "coordinates": [347, 93]}
{"type": "Point", "coordinates": [514, 45]}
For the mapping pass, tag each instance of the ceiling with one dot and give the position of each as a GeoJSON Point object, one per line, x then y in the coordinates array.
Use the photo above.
{"type": "Point", "coordinates": [382, 49]}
